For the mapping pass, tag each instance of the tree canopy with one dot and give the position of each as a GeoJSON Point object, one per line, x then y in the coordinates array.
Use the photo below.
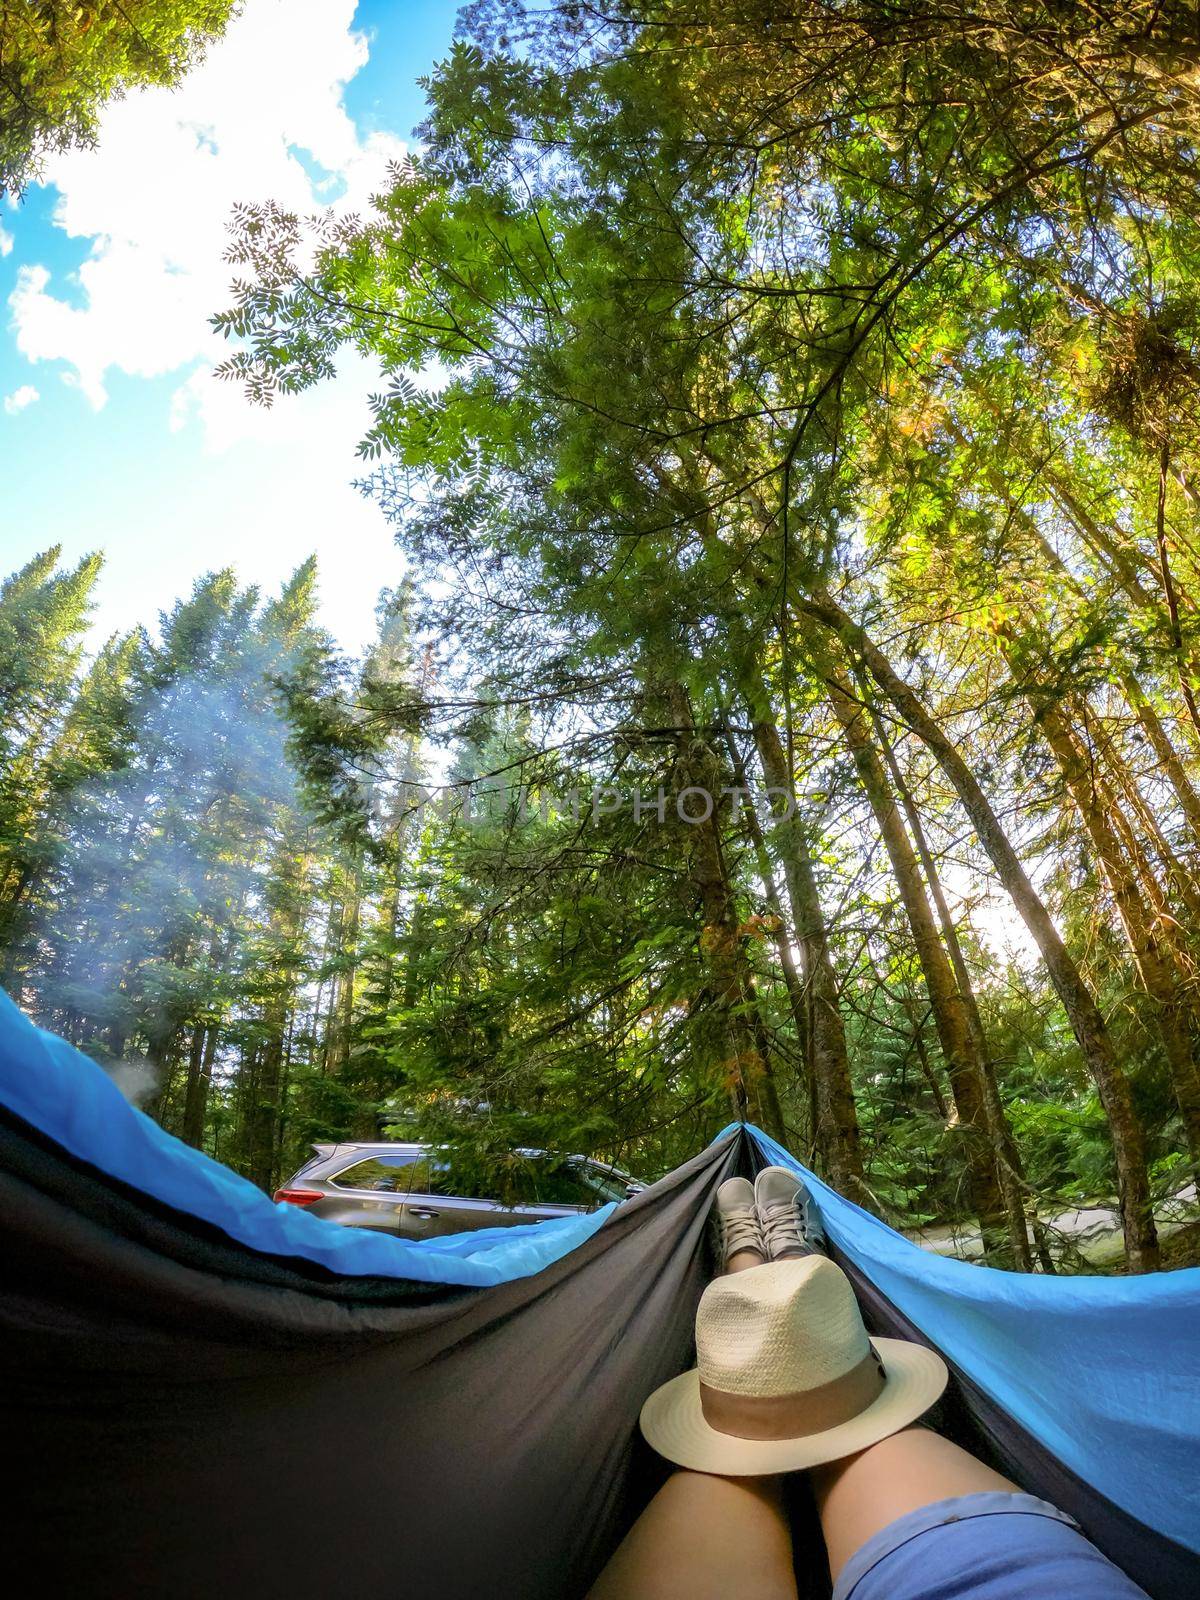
{"type": "Point", "coordinates": [791, 424]}
{"type": "Point", "coordinates": [60, 65]}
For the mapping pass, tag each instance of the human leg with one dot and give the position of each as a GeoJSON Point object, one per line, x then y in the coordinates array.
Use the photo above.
{"type": "Point", "coordinates": [770, 1220]}
{"type": "Point", "coordinates": [914, 1517]}
{"type": "Point", "coordinates": [739, 1234]}
{"type": "Point", "coordinates": [791, 1224]}
{"type": "Point", "coordinates": [862, 1494]}
{"type": "Point", "coordinates": [705, 1538]}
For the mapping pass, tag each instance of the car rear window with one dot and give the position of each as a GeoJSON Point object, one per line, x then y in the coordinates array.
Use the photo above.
{"type": "Point", "coordinates": [562, 1184]}
{"type": "Point", "coordinates": [428, 1176]}
{"type": "Point", "coordinates": [607, 1184]}
{"type": "Point", "coordinates": [390, 1173]}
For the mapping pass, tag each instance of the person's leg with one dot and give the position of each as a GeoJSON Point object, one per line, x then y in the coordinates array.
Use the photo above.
{"type": "Point", "coordinates": [740, 1243]}
{"type": "Point", "coordinates": [705, 1538]}
{"type": "Point", "coordinates": [914, 1515]}
{"type": "Point", "coordinates": [859, 1496]}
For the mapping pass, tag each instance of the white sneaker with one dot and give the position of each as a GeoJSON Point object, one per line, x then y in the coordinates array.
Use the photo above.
{"type": "Point", "coordinates": [737, 1221]}
{"type": "Point", "coordinates": [787, 1216]}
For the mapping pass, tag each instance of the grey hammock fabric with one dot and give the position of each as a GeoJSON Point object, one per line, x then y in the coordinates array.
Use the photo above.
{"type": "Point", "coordinates": [187, 1420]}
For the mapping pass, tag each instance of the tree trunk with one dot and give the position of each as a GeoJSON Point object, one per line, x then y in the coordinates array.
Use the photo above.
{"type": "Point", "coordinates": [1128, 1139]}
{"type": "Point", "coordinates": [1179, 879]}
{"type": "Point", "coordinates": [262, 1115]}
{"type": "Point", "coordinates": [329, 1039]}
{"type": "Point", "coordinates": [10, 931]}
{"type": "Point", "coordinates": [796, 992]}
{"type": "Point", "coordinates": [163, 1054]}
{"type": "Point", "coordinates": [346, 1016]}
{"type": "Point", "coordinates": [747, 1067]}
{"type": "Point", "coordinates": [287, 896]}
{"type": "Point", "coordinates": [917, 1025]}
{"type": "Point", "coordinates": [836, 1118]}
{"type": "Point", "coordinates": [1011, 1167]}
{"type": "Point", "coordinates": [1168, 756]}
{"type": "Point", "coordinates": [1152, 962]}
{"type": "Point", "coordinates": [959, 1049]}
{"type": "Point", "coordinates": [200, 1065]}
{"type": "Point", "coordinates": [1185, 663]}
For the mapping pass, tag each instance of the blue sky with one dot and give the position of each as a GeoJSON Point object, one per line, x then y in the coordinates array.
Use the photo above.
{"type": "Point", "coordinates": [113, 435]}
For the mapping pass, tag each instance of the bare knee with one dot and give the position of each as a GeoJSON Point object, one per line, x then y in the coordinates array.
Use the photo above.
{"type": "Point", "coordinates": [861, 1494]}
{"type": "Point", "coordinates": [704, 1537]}
{"type": "Point", "coordinates": [707, 1492]}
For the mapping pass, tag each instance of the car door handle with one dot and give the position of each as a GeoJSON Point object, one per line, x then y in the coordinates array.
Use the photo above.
{"type": "Point", "coordinates": [424, 1211]}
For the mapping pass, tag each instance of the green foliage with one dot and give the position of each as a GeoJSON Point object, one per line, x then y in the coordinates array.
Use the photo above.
{"type": "Point", "coordinates": [726, 313]}
{"type": "Point", "coordinates": [61, 64]}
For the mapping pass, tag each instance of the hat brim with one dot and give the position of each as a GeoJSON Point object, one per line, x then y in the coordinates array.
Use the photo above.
{"type": "Point", "coordinates": [673, 1422]}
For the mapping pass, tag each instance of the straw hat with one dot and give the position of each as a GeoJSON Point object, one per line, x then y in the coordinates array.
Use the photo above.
{"type": "Point", "coordinates": [786, 1376]}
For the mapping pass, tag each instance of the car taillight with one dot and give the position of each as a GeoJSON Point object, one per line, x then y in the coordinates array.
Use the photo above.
{"type": "Point", "coordinates": [298, 1197]}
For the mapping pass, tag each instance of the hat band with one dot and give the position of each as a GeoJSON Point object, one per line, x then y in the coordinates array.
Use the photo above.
{"type": "Point", "coordinates": [795, 1416]}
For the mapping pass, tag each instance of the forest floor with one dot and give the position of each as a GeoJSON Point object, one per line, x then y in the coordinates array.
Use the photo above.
{"type": "Point", "coordinates": [1180, 1249]}
{"type": "Point", "coordinates": [1093, 1231]}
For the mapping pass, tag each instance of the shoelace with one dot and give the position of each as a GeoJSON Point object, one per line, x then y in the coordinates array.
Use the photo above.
{"type": "Point", "coordinates": [740, 1231]}
{"type": "Point", "coordinates": [782, 1226]}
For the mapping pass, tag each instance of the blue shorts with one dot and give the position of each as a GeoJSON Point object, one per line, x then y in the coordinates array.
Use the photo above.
{"type": "Point", "coordinates": [992, 1546]}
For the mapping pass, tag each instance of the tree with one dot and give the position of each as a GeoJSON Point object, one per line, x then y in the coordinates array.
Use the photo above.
{"type": "Point", "coordinates": [708, 366]}
{"type": "Point", "coordinates": [61, 65]}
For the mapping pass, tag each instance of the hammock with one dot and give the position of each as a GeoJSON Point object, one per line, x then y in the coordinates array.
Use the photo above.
{"type": "Point", "coordinates": [204, 1393]}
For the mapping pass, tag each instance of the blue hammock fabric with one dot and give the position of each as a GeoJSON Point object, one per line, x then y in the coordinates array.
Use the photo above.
{"type": "Point", "coordinates": [1103, 1371]}
{"type": "Point", "coordinates": [1101, 1374]}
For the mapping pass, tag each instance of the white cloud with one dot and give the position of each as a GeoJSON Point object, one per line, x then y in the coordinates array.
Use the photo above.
{"type": "Point", "coordinates": [19, 399]}
{"type": "Point", "coordinates": [155, 196]}
{"type": "Point", "coordinates": [263, 117]}
{"type": "Point", "coordinates": [6, 242]}
{"type": "Point", "coordinates": [277, 486]}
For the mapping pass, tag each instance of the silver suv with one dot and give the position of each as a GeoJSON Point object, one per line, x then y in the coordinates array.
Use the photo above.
{"type": "Point", "coordinates": [408, 1190]}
